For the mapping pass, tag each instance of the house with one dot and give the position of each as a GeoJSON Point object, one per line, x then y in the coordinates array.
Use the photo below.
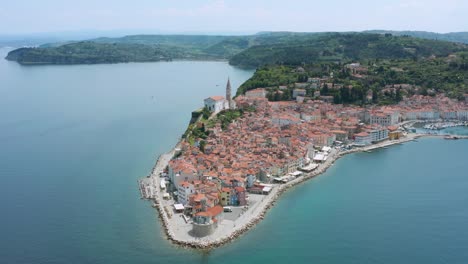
{"type": "Point", "coordinates": [225, 196]}
{"type": "Point", "coordinates": [240, 196]}
{"type": "Point", "coordinates": [298, 92]}
{"type": "Point", "coordinates": [394, 133]}
{"type": "Point", "coordinates": [181, 170]}
{"type": "Point", "coordinates": [184, 190]}
{"type": "Point", "coordinates": [340, 135]}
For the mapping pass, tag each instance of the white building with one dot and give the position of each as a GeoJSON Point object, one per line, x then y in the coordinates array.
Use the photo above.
{"type": "Point", "coordinates": [388, 118]}
{"type": "Point", "coordinates": [462, 115]}
{"type": "Point", "coordinates": [179, 171]}
{"type": "Point", "coordinates": [298, 92]}
{"type": "Point", "coordinates": [215, 103]}
{"type": "Point", "coordinates": [449, 115]}
{"type": "Point", "coordinates": [378, 134]}
{"type": "Point", "coordinates": [184, 190]}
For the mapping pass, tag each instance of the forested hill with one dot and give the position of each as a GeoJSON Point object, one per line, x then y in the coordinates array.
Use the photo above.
{"type": "Point", "coordinates": [153, 47]}
{"type": "Point", "coordinates": [338, 47]}
{"type": "Point", "coordinates": [249, 51]}
{"type": "Point", "coordinates": [461, 37]}
{"type": "Point", "coordinates": [94, 53]}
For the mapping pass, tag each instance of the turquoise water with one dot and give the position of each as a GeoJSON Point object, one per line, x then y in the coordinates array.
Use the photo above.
{"type": "Point", "coordinates": [74, 140]}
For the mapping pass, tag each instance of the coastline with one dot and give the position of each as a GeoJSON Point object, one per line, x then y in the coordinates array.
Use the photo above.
{"type": "Point", "coordinates": [234, 229]}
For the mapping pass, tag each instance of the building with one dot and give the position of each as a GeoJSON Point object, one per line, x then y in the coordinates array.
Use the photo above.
{"type": "Point", "coordinates": [462, 115]}
{"type": "Point", "coordinates": [205, 222]}
{"type": "Point", "coordinates": [179, 171]}
{"type": "Point", "coordinates": [218, 103]}
{"type": "Point", "coordinates": [340, 135]}
{"type": "Point", "coordinates": [215, 103]}
{"type": "Point", "coordinates": [298, 92]}
{"type": "Point", "coordinates": [394, 133]}
{"type": "Point", "coordinates": [378, 134]}
{"type": "Point", "coordinates": [184, 190]}
{"type": "Point", "coordinates": [362, 139]}
{"type": "Point", "coordinates": [225, 196]}
{"type": "Point", "coordinates": [241, 197]}
{"type": "Point", "coordinates": [387, 118]}
{"type": "Point", "coordinates": [256, 93]}
{"type": "Point", "coordinates": [449, 115]}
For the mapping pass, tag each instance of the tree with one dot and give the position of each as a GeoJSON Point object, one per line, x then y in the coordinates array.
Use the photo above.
{"type": "Point", "coordinates": [324, 90]}
{"type": "Point", "coordinates": [375, 96]}
{"type": "Point", "coordinates": [276, 97]}
{"type": "Point", "coordinates": [398, 96]}
{"type": "Point", "coordinates": [202, 145]}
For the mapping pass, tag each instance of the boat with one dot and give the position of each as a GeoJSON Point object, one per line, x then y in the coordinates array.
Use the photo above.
{"type": "Point", "coordinates": [451, 137]}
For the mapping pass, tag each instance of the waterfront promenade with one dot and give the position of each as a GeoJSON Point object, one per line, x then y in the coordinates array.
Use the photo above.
{"type": "Point", "coordinates": [177, 228]}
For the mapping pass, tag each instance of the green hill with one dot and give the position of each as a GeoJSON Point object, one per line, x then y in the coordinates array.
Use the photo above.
{"type": "Point", "coordinates": [93, 53]}
{"type": "Point", "coordinates": [461, 37]}
{"type": "Point", "coordinates": [342, 46]}
{"type": "Point", "coordinates": [264, 48]}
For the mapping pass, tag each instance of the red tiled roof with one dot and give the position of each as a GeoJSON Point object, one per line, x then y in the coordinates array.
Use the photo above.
{"type": "Point", "coordinates": [217, 97]}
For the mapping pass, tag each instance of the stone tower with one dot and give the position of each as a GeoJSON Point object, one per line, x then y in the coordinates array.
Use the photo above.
{"type": "Point", "coordinates": [228, 94]}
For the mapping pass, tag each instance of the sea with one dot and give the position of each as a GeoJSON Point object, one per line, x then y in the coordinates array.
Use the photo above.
{"type": "Point", "coordinates": [74, 140]}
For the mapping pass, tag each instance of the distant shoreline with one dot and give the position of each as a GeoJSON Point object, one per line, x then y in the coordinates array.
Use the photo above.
{"type": "Point", "coordinates": [113, 63]}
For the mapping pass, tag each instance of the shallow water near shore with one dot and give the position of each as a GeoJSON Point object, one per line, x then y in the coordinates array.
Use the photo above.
{"type": "Point", "coordinates": [74, 140]}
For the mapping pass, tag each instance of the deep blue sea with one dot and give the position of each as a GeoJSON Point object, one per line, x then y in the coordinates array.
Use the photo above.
{"type": "Point", "coordinates": [75, 139]}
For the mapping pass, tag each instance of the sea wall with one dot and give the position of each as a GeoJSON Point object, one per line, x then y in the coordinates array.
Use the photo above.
{"type": "Point", "coordinates": [267, 205]}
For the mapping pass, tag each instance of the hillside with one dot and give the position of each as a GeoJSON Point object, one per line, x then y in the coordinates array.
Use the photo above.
{"type": "Point", "coordinates": [93, 53]}
{"type": "Point", "coordinates": [461, 37]}
{"type": "Point", "coordinates": [382, 81]}
{"type": "Point", "coordinates": [264, 48]}
{"type": "Point", "coordinates": [342, 46]}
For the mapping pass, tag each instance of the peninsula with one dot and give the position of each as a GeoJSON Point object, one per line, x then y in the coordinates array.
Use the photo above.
{"type": "Point", "coordinates": [238, 155]}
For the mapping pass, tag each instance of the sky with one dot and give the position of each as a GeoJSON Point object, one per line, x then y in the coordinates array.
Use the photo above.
{"type": "Point", "coordinates": [231, 16]}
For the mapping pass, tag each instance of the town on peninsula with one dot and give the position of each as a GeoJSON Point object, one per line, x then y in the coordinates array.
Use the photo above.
{"type": "Point", "coordinates": [239, 154]}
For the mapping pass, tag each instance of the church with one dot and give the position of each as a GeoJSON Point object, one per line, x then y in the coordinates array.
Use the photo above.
{"type": "Point", "coordinates": [218, 103]}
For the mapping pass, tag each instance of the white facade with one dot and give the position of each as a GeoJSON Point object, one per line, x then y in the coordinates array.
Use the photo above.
{"type": "Point", "coordinates": [184, 190]}
{"type": "Point", "coordinates": [449, 115]}
{"type": "Point", "coordinates": [379, 134]}
{"type": "Point", "coordinates": [362, 139]}
{"type": "Point", "coordinates": [462, 115]}
{"type": "Point", "coordinates": [298, 92]}
{"type": "Point", "coordinates": [384, 119]}
{"type": "Point", "coordinates": [250, 180]}
{"type": "Point", "coordinates": [215, 103]}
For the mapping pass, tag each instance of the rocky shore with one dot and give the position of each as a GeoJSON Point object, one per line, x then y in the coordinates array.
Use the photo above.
{"type": "Point", "coordinates": [249, 220]}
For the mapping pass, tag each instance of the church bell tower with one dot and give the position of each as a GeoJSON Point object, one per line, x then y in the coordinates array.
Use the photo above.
{"type": "Point", "coordinates": [228, 94]}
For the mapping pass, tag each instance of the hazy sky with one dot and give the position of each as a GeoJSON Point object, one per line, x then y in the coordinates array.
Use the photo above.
{"type": "Point", "coordinates": [21, 16]}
